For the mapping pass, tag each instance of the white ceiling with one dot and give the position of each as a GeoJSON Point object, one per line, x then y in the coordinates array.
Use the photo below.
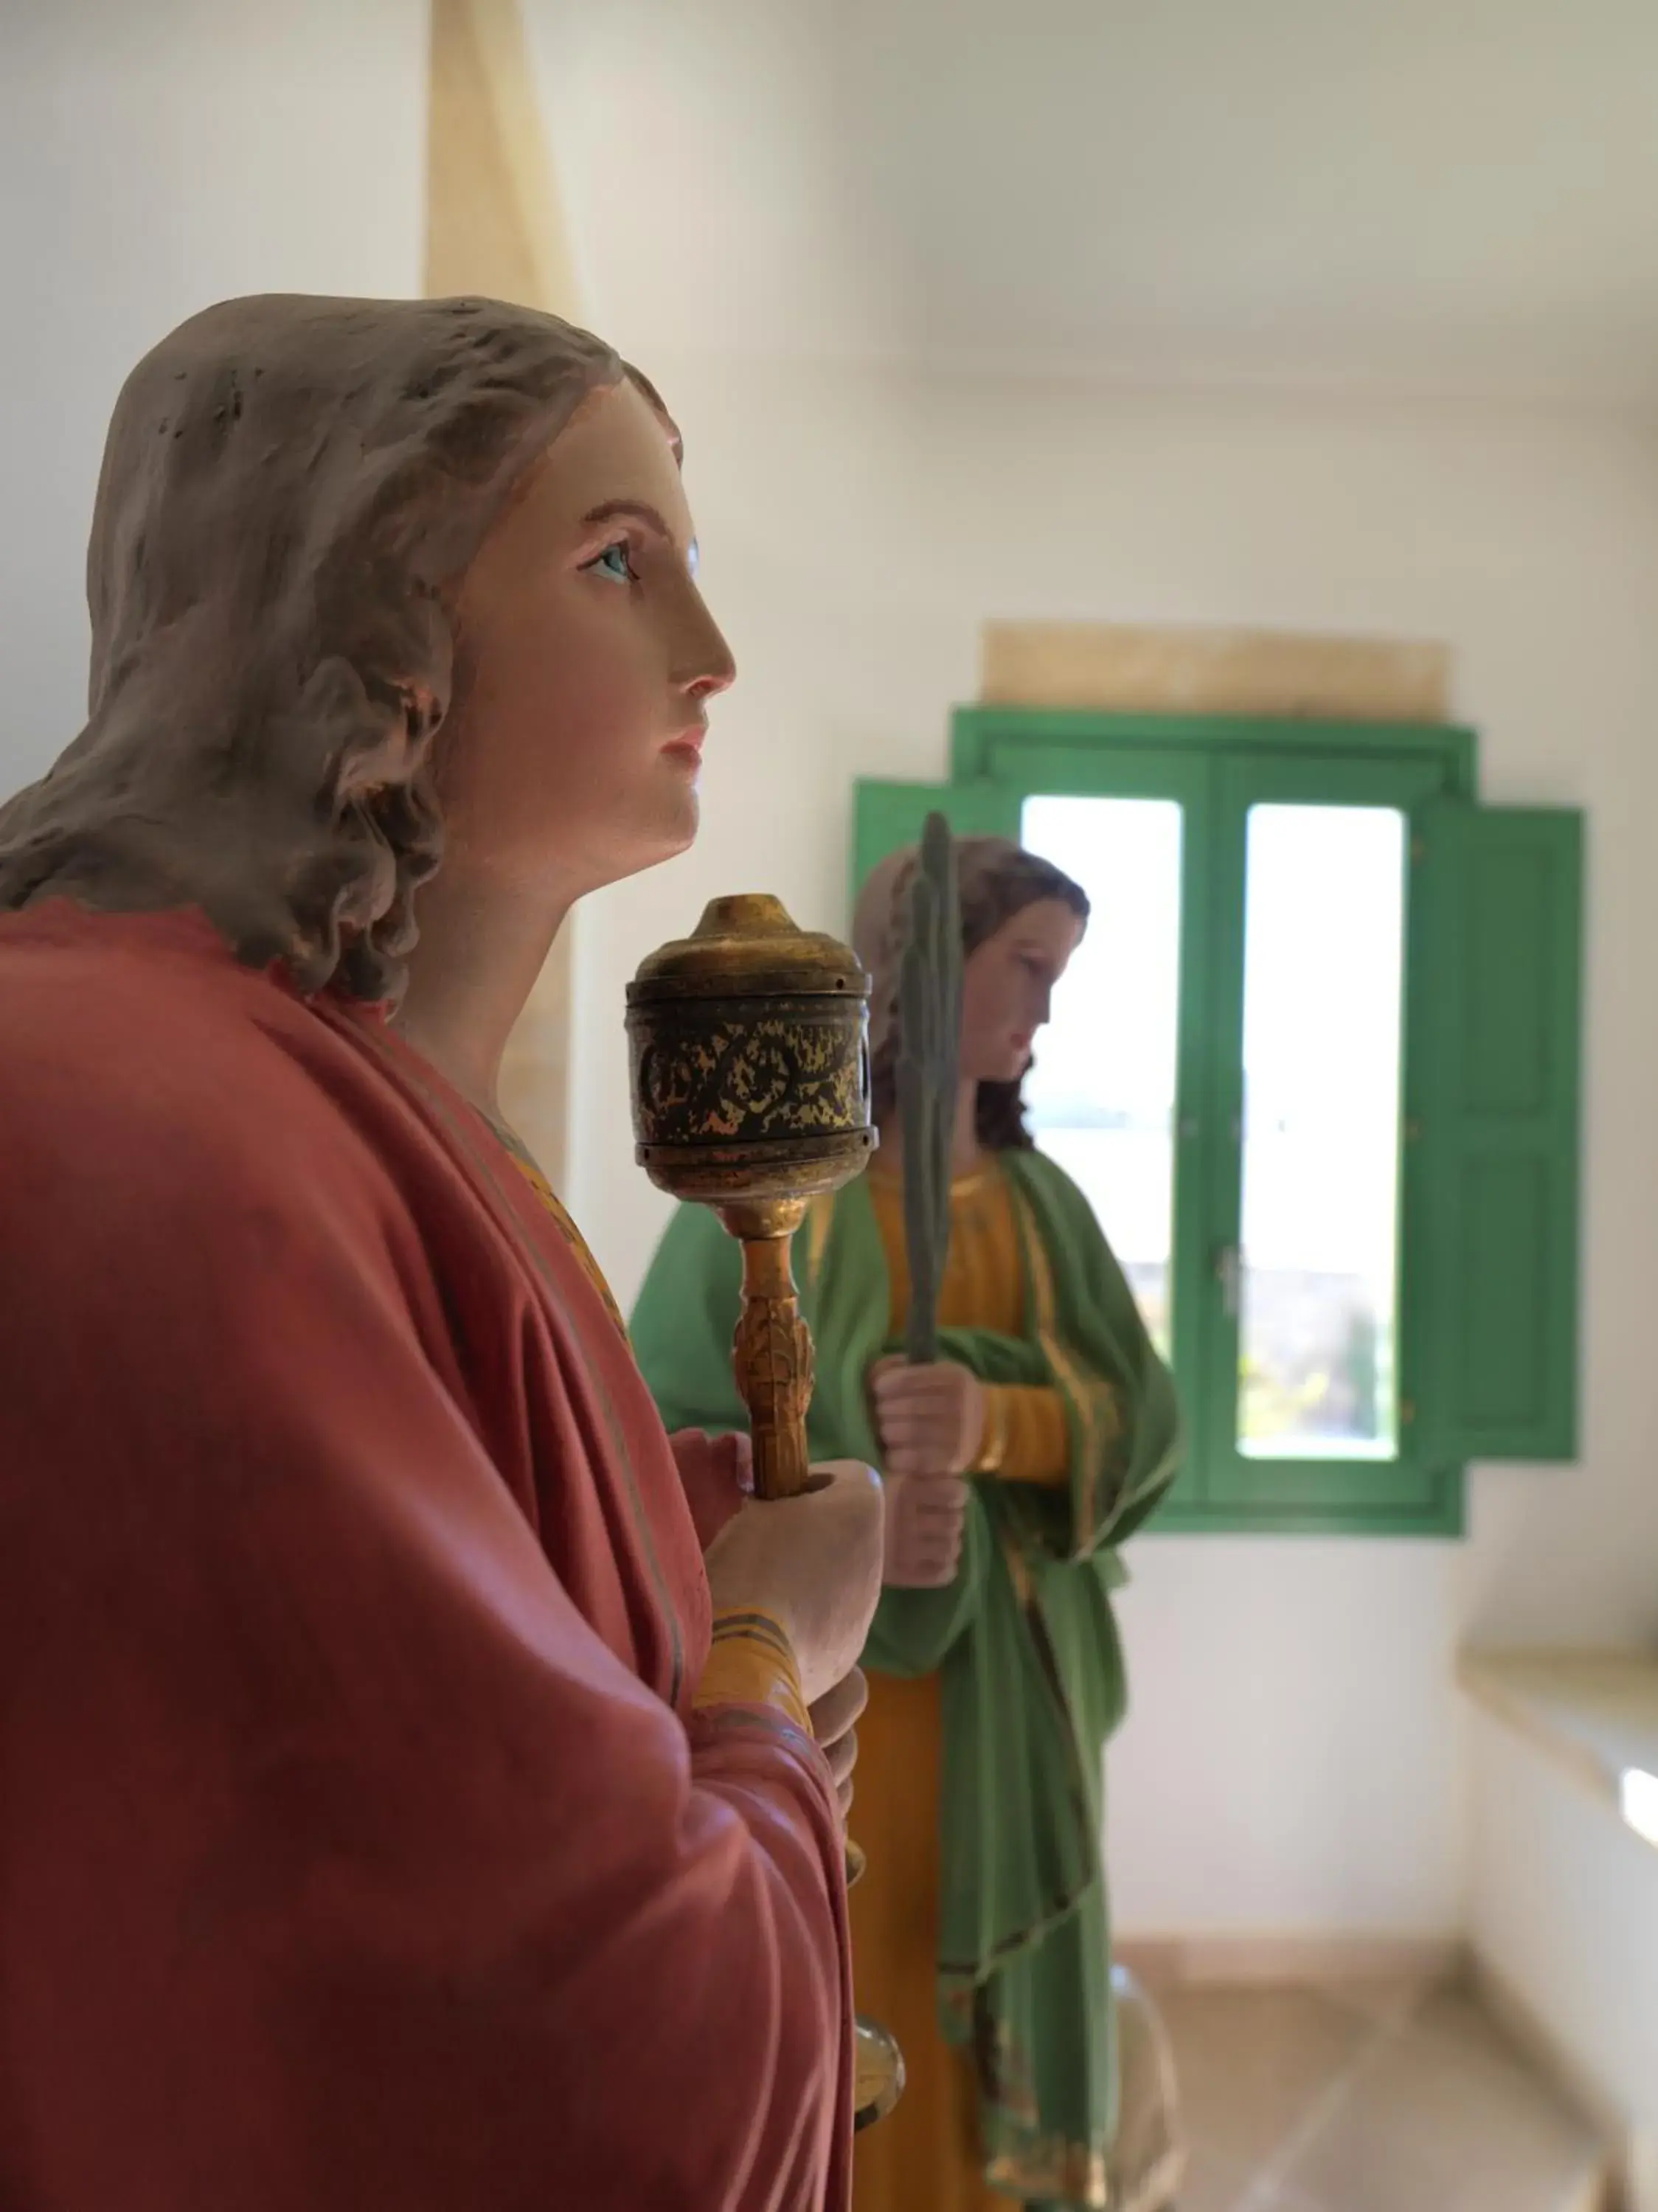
{"type": "Point", "coordinates": [1450, 195]}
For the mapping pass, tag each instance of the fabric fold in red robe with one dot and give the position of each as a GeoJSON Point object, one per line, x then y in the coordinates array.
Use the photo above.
{"type": "Point", "coordinates": [359, 1845]}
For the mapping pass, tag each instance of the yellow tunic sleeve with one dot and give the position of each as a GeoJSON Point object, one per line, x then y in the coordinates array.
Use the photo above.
{"type": "Point", "coordinates": [1025, 1435]}
{"type": "Point", "coordinates": [751, 1662]}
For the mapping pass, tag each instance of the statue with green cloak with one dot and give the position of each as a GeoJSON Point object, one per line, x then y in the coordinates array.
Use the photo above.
{"type": "Point", "coordinates": [1019, 1447]}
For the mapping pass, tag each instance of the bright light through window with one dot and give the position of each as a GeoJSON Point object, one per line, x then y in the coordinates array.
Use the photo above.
{"type": "Point", "coordinates": [1324, 957]}
{"type": "Point", "coordinates": [1102, 1092]}
{"type": "Point", "coordinates": [1637, 1797]}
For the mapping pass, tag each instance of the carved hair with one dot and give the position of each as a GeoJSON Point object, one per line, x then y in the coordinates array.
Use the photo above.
{"type": "Point", "coordinates": [293, 489]}
{"type": "Point", "coordinates": [999, 881]}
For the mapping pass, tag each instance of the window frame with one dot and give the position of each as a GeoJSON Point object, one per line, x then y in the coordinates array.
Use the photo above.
{"type": "Point", "coordinates": [1216, 768]}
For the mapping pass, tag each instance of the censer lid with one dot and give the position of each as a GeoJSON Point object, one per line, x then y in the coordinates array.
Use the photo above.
{"type": "Point", "coordinates": [746, 946]}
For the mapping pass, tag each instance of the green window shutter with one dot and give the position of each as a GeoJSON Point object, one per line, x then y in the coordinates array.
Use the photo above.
{"type": "Point", "coordinates": [886, 816]}
{"type": "Point", "coordinates": [1493, 1131]}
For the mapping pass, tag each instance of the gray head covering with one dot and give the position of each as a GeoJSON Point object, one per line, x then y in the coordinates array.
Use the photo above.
{"type": "Point", "coordinates": [879, 922]}
{"type": "Point", "coordinates": [292, 488]}
{"type": "Point", "coordinates": [998, 880]}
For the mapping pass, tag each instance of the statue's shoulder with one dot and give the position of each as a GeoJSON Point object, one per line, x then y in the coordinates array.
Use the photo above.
{"type": "Point", "coordinates": [1038, 1177]}
{"type": "Point", "coordinates": [140, 1039]}
{"type": "Point", "coordinates": [1061, 1210]}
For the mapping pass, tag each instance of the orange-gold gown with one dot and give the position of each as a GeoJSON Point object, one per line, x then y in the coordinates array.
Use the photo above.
{"type": "Point", "coordinates": [924, 2158]}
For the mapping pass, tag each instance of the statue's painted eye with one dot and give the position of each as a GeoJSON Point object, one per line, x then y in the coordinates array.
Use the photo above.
{"type": "Point", "coordinates": [614, 562]}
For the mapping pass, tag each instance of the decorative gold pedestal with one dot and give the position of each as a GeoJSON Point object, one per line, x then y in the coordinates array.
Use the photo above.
{"type": "Point", "coordinates": [749, 1044]}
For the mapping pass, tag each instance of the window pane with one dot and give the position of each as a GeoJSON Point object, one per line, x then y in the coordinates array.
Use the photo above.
{"type": "Point", "coordinates": [1323, 973]}
{"type": "Point", "coordinates": [1102, 1094]}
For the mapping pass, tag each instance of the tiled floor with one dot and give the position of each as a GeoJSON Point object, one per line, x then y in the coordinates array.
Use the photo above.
{"type": "Point", "coordinates": [1370, 2098]}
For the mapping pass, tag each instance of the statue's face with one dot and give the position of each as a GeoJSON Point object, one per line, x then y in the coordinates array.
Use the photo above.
{"type": "Point", "coordinates": [585, 659]}
{"type": "Point", "coordinates": [1007, 989]}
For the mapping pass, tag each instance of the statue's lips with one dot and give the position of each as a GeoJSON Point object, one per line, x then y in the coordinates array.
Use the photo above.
{"type": "Point", "coordinates": [688, 746]}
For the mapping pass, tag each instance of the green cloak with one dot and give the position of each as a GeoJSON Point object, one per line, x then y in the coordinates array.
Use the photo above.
{"type": "Point", "coordinates": [1024, 1636]}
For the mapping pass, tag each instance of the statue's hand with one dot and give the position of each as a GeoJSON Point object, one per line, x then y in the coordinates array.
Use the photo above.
{"type": "Point", "coordinates": [834, 1723]}
{"type": "Point", "coordinates": [716, 1474]}
{"type": "Point", "coordinates": [813, 1563]}
{"type": "Point", "coordinates": [930, 1419]}
{"type": "Point", "coordinates": [925, 1517]}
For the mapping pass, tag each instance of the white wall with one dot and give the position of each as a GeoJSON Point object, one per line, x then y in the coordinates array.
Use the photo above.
{"type": "Point", "coordinates": [1565, 1908]}
{"type": "Point", "coordinates": [1296, 1757]}
{"type": "Point", "coordinates": [157, 156]}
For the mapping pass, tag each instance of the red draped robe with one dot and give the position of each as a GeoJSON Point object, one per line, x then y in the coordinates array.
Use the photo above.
{"type": "Point", "coordinates": [363, 1844]}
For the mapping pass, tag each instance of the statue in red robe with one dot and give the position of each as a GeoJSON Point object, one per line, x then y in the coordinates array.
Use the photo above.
{"type": "Point", "coordinates": [397, 1810]}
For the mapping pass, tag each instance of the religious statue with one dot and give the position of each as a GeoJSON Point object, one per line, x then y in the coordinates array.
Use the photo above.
{"type": "Point", "coordinates": [424, 1779]}
{"type": "Point", "coordinates": [1025, 1427]}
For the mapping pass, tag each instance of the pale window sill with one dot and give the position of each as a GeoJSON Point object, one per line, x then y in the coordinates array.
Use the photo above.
{"type": "Point", "coordinates": [1593, 1714]}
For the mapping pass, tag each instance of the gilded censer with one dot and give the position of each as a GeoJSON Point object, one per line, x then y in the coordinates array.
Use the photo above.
{"type": "Point", "coordinates": [749, 1045]}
